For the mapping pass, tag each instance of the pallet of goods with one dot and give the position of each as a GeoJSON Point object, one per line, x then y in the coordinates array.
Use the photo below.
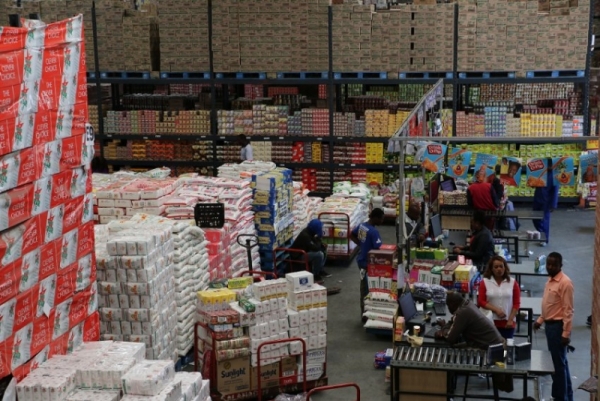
{"type": "Point", "coordinates": [49, 294]}
{"type": "Point", "coordinates": [111, 371]}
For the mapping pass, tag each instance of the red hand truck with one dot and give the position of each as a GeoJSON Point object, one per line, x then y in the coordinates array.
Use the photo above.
{"type": "Point", "coordinates": [287, 340]}
{"type": "Point", "coordinates": [333, 387]}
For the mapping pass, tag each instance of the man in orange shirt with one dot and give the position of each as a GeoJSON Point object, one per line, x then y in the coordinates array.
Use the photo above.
{"type": "Point", "coordinates": [557, 314]}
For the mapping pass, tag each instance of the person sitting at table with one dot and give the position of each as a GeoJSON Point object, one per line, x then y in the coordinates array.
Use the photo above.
{"type": "Point", "coordinates": [500, 294]}
{"type": "Point", "coordinates": [414, 226]}
{"type": "Point", "coordinates": [468, 324]}
{"type": "Point", "coordinates": [481, 247]}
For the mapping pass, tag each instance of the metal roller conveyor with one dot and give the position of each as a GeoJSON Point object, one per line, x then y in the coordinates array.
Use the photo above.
{"type": "Point", "coordinates": [440, 356]}
{"type": "Point", "coordinates": [412, 355]}
{"type": "Point", "coordinates": [432, 356]}
{"type": "Point", "coordinates": [419, 356]}
{"type": "Point", "coordinates": [425, 357]}
{"type": "Point", "coordinates": [402, 353]}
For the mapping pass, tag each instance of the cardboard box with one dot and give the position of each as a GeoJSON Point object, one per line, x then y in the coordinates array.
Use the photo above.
{"type": "Point", "coordinates": [269, 376]}
{"type": "Point", "coordinates": [233, 376]}
{"type": "Point", "coordinates": [383, 257]}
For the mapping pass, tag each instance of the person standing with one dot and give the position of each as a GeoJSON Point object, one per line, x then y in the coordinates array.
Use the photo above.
{"type": "Point", "coordinates": [545, 199]}
{"type": "Point", "coordinates": [309, 241]}
{"type": "Point", "coordinates": [246, 152]}
{"type": "Point", "coordinates": [557, 315]}
{"type": "Point", "coordinates": [500, 294]}
{"type": "Point", "coordinates": [481, 195]}
{"type": "Point", "coordinates": [367, 237]}
{"type": "Point", "coordinates": [481, 247]}
{"type": "Point", "coordinates": [415, 230]}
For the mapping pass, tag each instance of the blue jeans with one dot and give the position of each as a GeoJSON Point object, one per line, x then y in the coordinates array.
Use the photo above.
{"type": "Point", "coordinates": [543, 225]}
{"type": "Point", "coordinates": [562, 389]}
{"type": "Point", "coordinates": [316, 261]}
{"type": "Point", "coordinates": [506, 333]}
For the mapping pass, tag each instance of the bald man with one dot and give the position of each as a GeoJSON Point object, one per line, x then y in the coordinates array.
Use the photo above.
{"type": "Point", "coordinates": [414, 227]}
{"type": "Point", "coordinates": [468, 324]}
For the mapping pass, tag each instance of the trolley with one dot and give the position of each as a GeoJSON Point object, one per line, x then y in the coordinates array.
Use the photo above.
{"type": "Point", "coordinates": [281, 379]}
{"type": "Point", "coordinates": [334, 387]}
{"type": "Point", "coordinates": [343, 235]}
{"type": "Point", "coordinates": [248, 241]}
{"type": "Point", "coordinates": [288, 260]}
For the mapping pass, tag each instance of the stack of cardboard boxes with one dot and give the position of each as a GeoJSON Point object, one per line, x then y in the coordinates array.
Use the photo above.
{"type": "Point", "coordinates": [140, 46]}
{"type": "Point", "coordinates": [522, 36]}
{"type": "Point", "coordinates": [184, 35]}
{"type": "Point", "coordinates": [236, 321]}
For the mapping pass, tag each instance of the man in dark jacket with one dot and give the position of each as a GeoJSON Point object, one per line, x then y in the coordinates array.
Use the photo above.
{"type": "Point", "coordinates": [309, 241]}
{"type": "Point", "coordinates": [481, 247]}
{"type": "Point", "coordinates": [468, 325]}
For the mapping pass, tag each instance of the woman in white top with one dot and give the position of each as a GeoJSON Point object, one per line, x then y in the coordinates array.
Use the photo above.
{"type": "Point", "coordinates": [246, 152]}
{"type": "Point", "coordinates": [500, 293]}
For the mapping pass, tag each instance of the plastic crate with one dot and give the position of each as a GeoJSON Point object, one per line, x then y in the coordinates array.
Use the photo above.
{"type": "Point", "coordinates": [209, 215]}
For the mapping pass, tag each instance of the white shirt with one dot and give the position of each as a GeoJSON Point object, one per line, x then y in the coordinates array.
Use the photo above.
{"type": "Point", "coordinates": [500, 295]}
{"type": "Point", "coordinates": [246, 153]}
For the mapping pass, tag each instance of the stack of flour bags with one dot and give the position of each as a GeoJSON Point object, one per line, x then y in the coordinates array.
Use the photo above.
{"type": "Point", "coordinates": [304, 207]}
{"type": "Point", "coordinates": [244, 170]}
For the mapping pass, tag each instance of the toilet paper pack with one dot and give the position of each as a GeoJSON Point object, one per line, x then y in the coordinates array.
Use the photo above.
{"type": "Point", "coordinates": [149, 378]}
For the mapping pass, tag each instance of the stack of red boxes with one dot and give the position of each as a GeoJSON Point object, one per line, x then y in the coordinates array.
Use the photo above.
{"type": "Point", "coordinates": [320, 122]}
{"type": "Point", "coordinates": [48, 293]}
{"type": "Point", "coordinates": [219, 254]}
{"type": "Point", "coordinates": [322, 91]}
{"type": "Point", "coordinates": [280, 90]}
{"type": "Point", "coordinates": [309, 178]}
{"type": "Point", "coordinates": [382, 270]}
{"type": "Point", "coordinates": [253, 91]}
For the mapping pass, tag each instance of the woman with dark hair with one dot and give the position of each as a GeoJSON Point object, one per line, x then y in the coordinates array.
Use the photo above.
{"type": "Point", "coordinates": [500, 293]}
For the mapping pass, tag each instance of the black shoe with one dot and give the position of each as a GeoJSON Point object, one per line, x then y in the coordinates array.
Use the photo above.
{"type": "Point", "coordinates": [364, 319]}
{"type": "Point", "coordinates": [324, 274]}
{"type": "Point", "coordinates": [318, 279]}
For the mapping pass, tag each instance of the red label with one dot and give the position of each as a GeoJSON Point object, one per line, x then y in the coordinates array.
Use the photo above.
{"type": "Point", "coordinates": [53, 63]}
{"type": "Point", "coordinates": [20, 202]}
{"type": "Point", "coordinates": [61, 188]}
{"type": "Point", "coordinates": [6, 357]}
{"type": "Point", "coordinates": [49, 96]}
{"type": "Point", "coordinates": [379, 271]}
{"type": "Point", "coordinates": [85, 243]}
{"type": "Point", "coordinates": [434, 149]}
{"type": "Point", "coordinates": [33, 236]}
{"type": "Point", "coordinates": [30, 166]}
{"type": "Point", "coordinates": [71, 152]}
{"type": "Point", "coordinates": [79, 308]}
{"type": "Point", "coordinates": [7, 135]}
{"type": "Point", "coordinates": [11, 67]}
{"type": "Point", "coordinates": [42, 333]}
{"type": "Point", "coordinates": [12, 39]}
{"type": "Point", "coordinates": [9, 101]}
{"type": "Point", "coordinates": [59, 346]}
{"type": "Point", "coordinates": [93, 272]}
{"type": "Point", "coordinates": [26, 308]}
{"type": "Point", "coordinates": [65, 284]}
{"type": "Point", "coordinates": [73, 214]}
{"type": "Point", "coordinates": [55, 34]}
{"type": "Point", "coordinates": [44, 129]}
{"type": "Point", "coordinates": [91, 328]}
{"type": "Point", "coordinates": [49, 258]}
{"type": "Point", "coordinates": [10, 277]}
{"type": "Point", "coordinates": [82, 95]}
{"type": "Point", "coordinates": [535, 165]}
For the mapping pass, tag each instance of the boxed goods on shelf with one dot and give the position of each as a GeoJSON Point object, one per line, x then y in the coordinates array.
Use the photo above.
{"type": "Point", "coordinates": [183, 35]}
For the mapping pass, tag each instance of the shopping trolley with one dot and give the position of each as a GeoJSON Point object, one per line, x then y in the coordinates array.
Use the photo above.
{"type": "Point", "coordinates": [334, 387]}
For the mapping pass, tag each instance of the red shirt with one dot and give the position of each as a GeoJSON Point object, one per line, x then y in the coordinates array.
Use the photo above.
{"type": "Point", "coordinates": [481, 196]}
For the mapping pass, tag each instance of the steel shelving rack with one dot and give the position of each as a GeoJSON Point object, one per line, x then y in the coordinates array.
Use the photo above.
{"type": "Point", "coordinates": [334, 81]}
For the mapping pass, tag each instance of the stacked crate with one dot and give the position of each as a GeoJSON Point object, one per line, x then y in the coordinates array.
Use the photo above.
{"type": "Point", "coordinates": [140, 41]}
{"type": "Point", "coordinates": [184, 35]}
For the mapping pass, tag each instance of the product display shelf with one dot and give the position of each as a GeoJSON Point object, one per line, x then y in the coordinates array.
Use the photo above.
{"type": "Point", "coordinates": [332, 83]}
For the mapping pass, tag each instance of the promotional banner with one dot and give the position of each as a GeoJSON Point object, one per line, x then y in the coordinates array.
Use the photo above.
{"type": "Point", "coordinates": [563, 171]}
{"type": "Point", "coordinates": [510, 171]}
{"type": "Point", "coordinates": [588, 165]}
{"type": "Point", "coordinates": [433, 158]}
{"type": "Point", "coordinates": [458, 163]}
{"type": "Point", "coordinates": [485, 167]}
{"type": "Point", "coordinates": [537, 172]}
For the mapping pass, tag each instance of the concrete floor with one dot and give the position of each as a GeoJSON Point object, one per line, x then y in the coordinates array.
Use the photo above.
{"type": "Point", "coordinates": [350, 350]}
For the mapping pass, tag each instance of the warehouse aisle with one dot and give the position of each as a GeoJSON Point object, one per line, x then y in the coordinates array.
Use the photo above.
{"type": "Point", "coordinates": [350, 350]}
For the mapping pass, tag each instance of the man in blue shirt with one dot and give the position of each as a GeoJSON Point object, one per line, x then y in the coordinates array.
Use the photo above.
{"type": "Point", "coordinates": [366, 236]}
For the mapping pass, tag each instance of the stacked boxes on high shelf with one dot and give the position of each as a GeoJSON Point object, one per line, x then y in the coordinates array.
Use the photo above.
{"type": "Point", "coordinates": [48, 301]}
{"type": "Point", "coordinates": [555, 39]}
{"type": "Point", "coordinates": [268, 36]}
{"type": "Point", "coordinates": [273, 201]}
{"type": "Point", "coordinates": [236, 321]}
{"type": "Point", "coordinates": [183, 35]}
